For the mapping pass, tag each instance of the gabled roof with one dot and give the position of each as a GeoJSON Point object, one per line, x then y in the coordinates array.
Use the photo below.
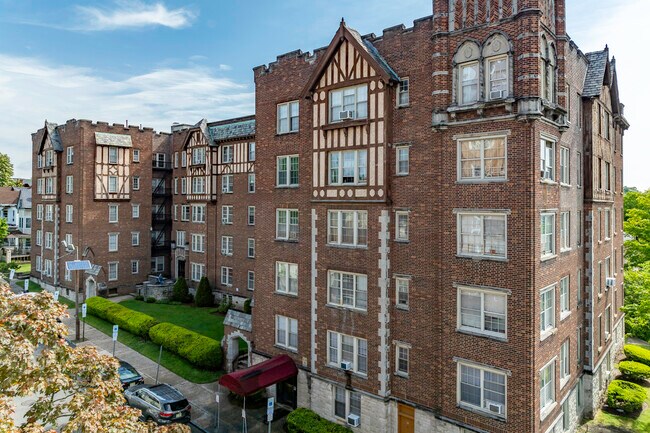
{"type": "Point", "coordinates": [109, 139]}
{"type": "Point", "coordinates": [365, 48]}
{"type": "Point", "coordinates": [50, 130]}
{"type": "Point", "coordinates": [201, 125]}
{"type": "Point", "coordinates": [232, 129]}
{"type": "Point", "coordinates": [9, 195]}
{"type": "Point", "coordinates": [25, 198]}
{"type": "Point", "coordinates": [597, 73]}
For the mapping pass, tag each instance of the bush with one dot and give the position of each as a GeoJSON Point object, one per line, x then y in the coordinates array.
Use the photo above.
{"type": "Point", "coordinates": [633, 370]}
{"type": "Point", "coordinates": [199, 350]}
{"type": "Point", "coordinates": [139, 298]}
{"type": "Point", "coordinates": [637, 353]}
{"type": "Point", "coordinates": [247, 306]}
{"type": "Point", "coordinates": [204, 296]}
{"type": "Point", "coordinates": [132, 321]}
{"type": "Point", "coordinates": [151, 300]}
{"type": "Point", "coordinates": [181, 291]}
{"type": "Point", "coordinates": [304, 420]}
{"type": "Point", "coordinates": [224, 306]}
{"type": "Point", "coordinates": [625, 395]}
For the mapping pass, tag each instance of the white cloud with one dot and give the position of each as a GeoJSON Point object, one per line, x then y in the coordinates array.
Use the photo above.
{"type": "Point", "coordinates": [223, 67]}
{"type": "Point", "coordinates": [133, 14]}
{"type": "Point", "coordinates": [34, 90]}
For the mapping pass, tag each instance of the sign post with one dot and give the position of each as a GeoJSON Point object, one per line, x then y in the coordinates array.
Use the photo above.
{"type": "Point", "coordinates": [56, 295]}
{"type": "Point", "coordinates": [26, 289]}
{"type": "Point", "coordinates": [84, 310]}
{"type": "Point", "coordinates": [115, 331]}
{"type": "Point", "coordinates": [12, 273]}
{"type": "Point", "coordinates": [77, 265]}
{"type": "Point", "coordinates": [158, 368]}
{"type": "Point", "coordinates": [269, 411]}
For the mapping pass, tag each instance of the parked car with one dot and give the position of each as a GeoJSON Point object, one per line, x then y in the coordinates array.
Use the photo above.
{"type": "Point", "coordinates": [161, 403]}
{"type": "Point", "coordinates": [129, 375]}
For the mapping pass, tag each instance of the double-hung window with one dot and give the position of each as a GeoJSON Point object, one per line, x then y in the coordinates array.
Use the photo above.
{"type": "Point", "coordinates": [49, 212]}
{"type": "Point", "coordinates": [286, 332]}
{"type": "Point", "coordinates": [565, 165]}
{"type": "Point", "coordinates": [548, 234]}
{"type": "Point", "coordinates": [198, 213]}
{"type": "Point", "coordinates": [402, 359]}
{"type": "Point", "coordinates": [251, 151]}
{"type": "Point", "coordinates": [49, 240]}
{"type": "Point", "coordinates": [135, 266]}
{"type": "Point", "coordinates": [607, 224]}
{"type": "Point", "coordinates": [39, 237]}
{"type": "Point", "coordinates": [547, 311]}
{"type": "Point", "coordinates": [349, 228]}
{"type": "Point", "coordinates": [69, 151]}
{"type": "Point", "coordinates": [135, 239]}
{"type": "Point", "coordinates": [547, 160]}
{"type": "Point", "coordinates": [349, 103]}
{"type": "Point", "coordinates": [251, 248]}
{"type": "Point", "coordinates": [482, 311]}
{"type": "Point", "coordinates": [251, 280]}
{"type": "Point", "coordinates": [112, 184]}
{"type": "Point", "coordinates": [349, 167]}
{"type": "Point", "coordinates": [69, 184]}
{"type": "Point", "coordinates": [185, 212]}
{"type": "Point", "coordinates": [345, 348]}
{"type": "Point", "coordinates": [497, 72]}
{"type": "Point", "coordinates": [547, 387]}
{"type": "Point", "coordinates": [112, 213]}
{"type": "Point", "coordinates": [251, 182]}
{"type": "Point", "coordinates": [135, 211]}
{"type": "Point", "coordinates": [226, 276]}
{"type": "Point", "coordinates": [565, 297]}
{"type": "Point", "coordinates": [403, 93]}
{"type": "Point", "coordinates": [112, 241]}
{"type": "Point", "coordinates": [287, 171]}
{"type": "Point", "coordinates": [346, 403]}
{"type": "Point", "coordinates": [402, 292]}
{"type": "Point", "coordinates": [348, 290]}
{"type": "Point", "coordinates": [135, 183]}
{"type": "Point", "coordinates": [469, 83]}
{"type": "Point", "coordinates": [136, 155]}
{"type": "Point", "coordinates": [198, 243]}
{"type": "Point", "coordinates": [565, 230]}
{"type": "Point", "coordinates": [227, 183]}
{"type": "Point", "coordinates": [288, 117]}
{"type": "Point", "coordinates": [198, 185]}
{"type": "Point", "coordinates": [226, 214]}
{"type": "Point", "coordinates": [198, 156]}
{"type": "Point", "coordinates": [227, 153]}
{"type": "Point", "coordinates": [251, 215]}
{"type": "Point", "coordinates": [286, 278]}
{"type": "Point", "coordinates": [112, 155]}
{"type": "Point", "coordinates": [197, 271]}
{"type": "Point", "coordinates": [565, 370]}
{"type": "Point", "coordinates": [402, 226]}
{"type": "Point", "coordinates": [482, 388]}
{"type": "Point", "coordinates": [402, 159]}
{"type": "Point", "coordinates": [113, 271]}
{"type": "Point", "coordinates": [69, 210]}
{"type": "Point", "coordinates": [49, 185]}
{"type": "Point", "coordinates": [482, 235]}
{"type": "Point", "coordinates": [226, 245]}
{"type": "Point", "coordinates": [482, 159]}
{"type": "Point", "coordinates": [286, 227]}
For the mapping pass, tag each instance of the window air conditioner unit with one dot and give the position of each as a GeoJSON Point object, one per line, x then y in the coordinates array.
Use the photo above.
{"type": "Point", "coordinates": [495, 407]}
{"type": "Point", "coordinates": [353, 420]}
{"type": "Point", "coordinates": [610, 281]}
{"type": "Point", "coordinates": [346, 365]}
{"type": "Point", "coordinates": [293, 235]}
{"type": "Point", "coordinates": [346, 115]}
{"type": "Point", "coordinates": [498, 94]}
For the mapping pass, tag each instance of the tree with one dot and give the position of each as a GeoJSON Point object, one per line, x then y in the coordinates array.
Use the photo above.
{"type": "Point", "coordinates": [637, 228]}
{"type": "Point", "coordinates": [76, 389]}
{"type": "Point", "coordinates": [4, 230]}
{"type": "Point", "coordinates": [7, 171]}
{"type": "Point", "coordinates": [637, 301]}
{"type": "Point", "coordinates": [204, 296]}
{"type": "Point", "coordinates": [181, 292]}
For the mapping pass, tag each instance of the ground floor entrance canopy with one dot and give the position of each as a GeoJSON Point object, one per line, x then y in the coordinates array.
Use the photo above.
{"type": "Point", "coordinates": [259, 376]}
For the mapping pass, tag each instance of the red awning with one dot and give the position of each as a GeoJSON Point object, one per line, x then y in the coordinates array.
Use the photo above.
{"type": "Point", "coordinates": [259, 376]}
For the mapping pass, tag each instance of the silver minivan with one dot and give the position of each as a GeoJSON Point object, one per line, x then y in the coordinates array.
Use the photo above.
{"type": "Point", "coordinates": [161, 403]}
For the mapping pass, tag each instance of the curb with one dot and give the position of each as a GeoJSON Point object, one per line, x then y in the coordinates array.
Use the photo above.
{"type": "Point", "coordinates": [198, 427]}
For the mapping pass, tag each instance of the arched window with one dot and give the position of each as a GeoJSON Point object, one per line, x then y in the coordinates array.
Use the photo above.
{"type": "Point", "coordinates": [497, 60]}
{"type": "Point", "coordinates": [543, 61]}
{"type": "Point", "coordinates": [467, 68]}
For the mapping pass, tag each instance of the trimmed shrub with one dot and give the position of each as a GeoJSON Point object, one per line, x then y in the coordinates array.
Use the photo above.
{"type": "Point", "coordinates": [132, 321]}
{"type": "Point", "coordinates": [181, 291]}
{"type": "Point", "coordinates": [224, 306]}
{"type": "Point", "coordinates": [151, 300]}
{"type": "Point", "coordinates": [204, 296]}
{"type": "Point", "coordinates": [637, 353]}
{"type": "Point", "coordinates": [139, 298]}
{"type": "Point", "coordinates": [625, 395]}
{"type": "Point", "coordinates": [304, 420]}
{"type": "Point", "coordinates": [633, 370]}
{"type": "Point", "coordinates": [247, 306]}
{"type": "Point", "coordinates": [199, 350]}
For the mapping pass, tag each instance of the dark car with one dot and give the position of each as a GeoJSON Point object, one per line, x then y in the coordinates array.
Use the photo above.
{"type": "Point", "coordinates": [161, 403]}
{"type": "Point", "coordinates": [129, 375]}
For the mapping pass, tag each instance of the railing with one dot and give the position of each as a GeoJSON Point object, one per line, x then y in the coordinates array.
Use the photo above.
{"type": "Point", "coordinates": [160, 245]}
{"type": "Point", "coordinates": [161, 191]}
{"type": "Point", "coordinates": [161, 216]}
{"type": "Point", "coordinates": [161, 165]}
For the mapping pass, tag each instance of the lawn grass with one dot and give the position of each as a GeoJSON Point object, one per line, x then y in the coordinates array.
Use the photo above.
{"type": "Point", "coordinates": [25, 267]}
{"type": "Point", "coordinates": [169, 360]}
{"type": "Point", "coordinates": [640, 424]}
{"type": "Point", "coordinates": [34, 287]}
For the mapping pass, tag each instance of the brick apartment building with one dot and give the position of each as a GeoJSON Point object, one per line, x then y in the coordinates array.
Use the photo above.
{"type": "Point", "coordinates": [96, 187]}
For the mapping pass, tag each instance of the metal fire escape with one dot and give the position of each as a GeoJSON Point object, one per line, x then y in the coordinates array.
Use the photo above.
{"type": "Point", "coordinates": [161, 210]}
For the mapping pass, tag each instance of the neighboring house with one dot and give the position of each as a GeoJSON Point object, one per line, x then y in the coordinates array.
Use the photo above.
{"type": "Point", "coordinates": [15, 208]}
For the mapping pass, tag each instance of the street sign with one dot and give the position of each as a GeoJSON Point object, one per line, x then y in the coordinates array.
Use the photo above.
{"type": "Point", "coordinates": [78, 265]}
{"type": "Point", "coordinates": [269, 409]}
{"type": "Point", "coordinates": [115, 329]}
{"type": "Point", "coordinates": [26, 286]}
{"type": "Point", "coordinates": [217, 398]}
{"type": "Point", "coordinates": [83, 310]}
{"type": "Point", "coordinates": [56, 295]}
{"type": "Point", "coordinates": [11, 274]}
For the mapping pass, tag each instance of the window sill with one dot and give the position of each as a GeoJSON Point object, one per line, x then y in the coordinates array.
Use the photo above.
{"type": "Point", "coordinates": [401, 174]}
{"type": "Point", "coordinates": [565, 185]}
{"type": "Point", "coordinates": [280, 134]}
{"type": "Point", "coordinates": [288, 295]}
{"type": "Point", "coordinates": [600, 296]}
{"type": "Point", "coordinates": [402, 241]}
{"type": "Point", "coordinates": [290, 241]}
{"type": "Point", "coordinates": [352, 372]}
{"type": "Point", "coordinates": [402, 307]}
{"type": "Point", "coordinates": [600, 349]}
{"type": "Point", "coordinates": [547, 334]}
{"type": "Point", "coordinates": [348, 247]}
{"type": "Point", "coordinates": [608, 239]}
{"type": "Point", "coordinates": [547, 410]}
{"type": "Point", "coordinates": [565, 250]}
{"type": "Point", "coordinates": [547, 182]}
{"type": "Point", "coordinates": [344, 308]}
{"type": "Point", "coordinates": [404, 106]}
{"type": "Point", "coordinates": [564, 315]}
{"type": "Point", "coordinates": [482, 334]}
{"type": "Point", "coordinates": [564, 381]}
{"type": "Point", "coordinates": [344, 124]}
{"type": "Point", "coordinates": [494, 259]}
{"type": "Point", "coordinates": [480, 411]}
{"type": "Point", "coordinates": [402, 375]}
{"type": "Point", "coordinates": [286, 186]}
{"type": "Point", "coordinates": [548, 257]}
{"type": "Point", "coordinates": [288, 349]}
{"type": "Point", "coordinates": [481, 181]}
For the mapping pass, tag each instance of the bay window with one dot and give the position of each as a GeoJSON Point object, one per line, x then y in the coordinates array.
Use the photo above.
{"type": "Point", "coordinates": [348, 167]}
{"type": "Point", "coordinates": [349, 103]}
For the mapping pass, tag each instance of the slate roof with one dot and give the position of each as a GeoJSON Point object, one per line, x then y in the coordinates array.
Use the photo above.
{"type": "Point", "coordinates": [53, 133]}
{"type": "Point", "coordinates": [9, 195]}
{"type": "Point", "coordinates": [108, 139]}
{"type": "Point", "coordinates": [229, 131]}
{"type": "Point", "coordinates": [595, 73]}
{"type": "Point", "coordinates": [372, 50]}
{"type": "Point", "coordinates": [238, 320]}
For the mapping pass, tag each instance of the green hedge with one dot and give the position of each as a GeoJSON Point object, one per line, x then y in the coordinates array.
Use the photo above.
{"type": "Point", "coordinates": [304, 420]}
{"type": "Point", "coordinates": [625, 395]}
{"type": "Point", "coordinates": [201, 351]}
{"type": "Point", "coordinates": [633, 370]}
{"type": "Point", "coordinates": [637, 353]}
{"type": "Point", "coordinates": [132, 321]}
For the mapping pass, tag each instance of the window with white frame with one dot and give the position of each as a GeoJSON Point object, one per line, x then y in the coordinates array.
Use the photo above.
{"type": "Point", "coordinates": [226, 276]}
{"type": "Point", "coordinates": [39, 211]}
{"type": "Point", "coordinates": [608, 322]}
{"type": "Point", "coordinates": [112, 155]}
{"type": "Point", "coordinates": [226, 214]}
{"type": "Point", "coordinates": [348, 289]}
{"type": "Point", "coordinates": [135, 183]}
{"type": "Point", "coordinates": [157, 264]}
{"type": "Point", "coordinates": [113, 242]}
{"type": "Point", "coordinates": [482, 158]}
{"type": "Point", "coordinates": [112, 184]}
{"type": "Point", "coordinates": [251, 182]}
{"type": "Point", "coordinates": [185, 212]}
{"type": "Point", "coordinates": [39, 185]}
{"type": "Point", "coordinates": [175, 185]}
{"type": "Point", "coordinates": [286, 332]}
{"type": "Point", "coordinates": [198, 213]}
{"type": "Point", "coordinates": [402, 226]}
{"type": "Point", "coordinates": [197, 271]}
{"type": "Point", "coordinates": [251, 248]}
{"type": "Point", "coordinates": [49, 240]}
{"type": "Point", "coordinates": [482, 388]}
{"type": "Point", "coordinates": [346, 403]}
{"type": "Point", "coordinates": [402, 292]}
{"type": "Point", "coordinates": [579, 234]}
{"type": "Point", "coordinates": [39, 237]}
{"type": "Point", "coordinates": [180, 238]}
{"type": "Point", "coordinates": [198, 185]}
{"type": "Point", "coordinates": [136, 155]}
{"type": "Point", "coordinates": [135, 239]}
{"type": "Point", "coordinates": [69, 184]}
{"type": "Point", "coordinates": [349, 167]}
{"type": "Point", "coordinates": [112, 213]}
{"type": "Point", "coordinates": [497, 74]}
{"type": "Point", "coordinates": [135, 266]}
{"type": "Point", "coordinates": [251, 151]}
{"type": "Point", "coordinates": [403, 93]}
{"type": "Point", "coordinates": [183, 185]}
{"type": "Point", "coordinates": [402, 160]}
{"type": "Point", "coordinates": [198, 156]}
{"type": "Point", "coordinates": [227, 153]}
{"type": "Point", "coordinates": [49, 185]}
{"type": "Point", "coordinates": [482, 311]}
{"type": "Point", "coordinates": [547, 156]}
{"type": "Point", "coordinates": [47, 267]}
{"type": "Point", "coordinates": [343, 347]}
{"type": "Point", "coordinates": [547, 310]}
{"type": "Point", "coordinates": [565, 231]}
{"type": "Point", "coordinates": [482, 235]}
{"type": "Point", "coordinates": [49, 158]}
{"type": "Point", "coordinates": [39, 161]}
{"type": "Point", "coordinates": [251, 280]}
{"type": "Point", "coordinates": [548, 234]}
{"type": "Point", "coordinates": [402, 358]}
{"type": "Point", "coordinates": [565, 297]}
{"type": "Point", "coordinates": [68, 213]}
{"type": "Point", "coordinates": [251, 215]}
{"type": "Point", "coordinates": [183, 159]}
{"type": "Point", "coordinates": [607, 176]}
{"type": "Point", "coordinates": [227, 183]}
{"type": "Point", "coordinates": [565, 176]}
{"type": "Point", "coordinates": [287, 171]}
{"type": "Point", "coordinates": [39, 264]}
{"type": "Point", "coordinates": [288, 117]}
{"type": "Point", "coordinates": [607, 224]}
{"type": "Point", "coordinates": [49, 212]}
{"type": "Point", "coordinates": [547, 386]}
{"type": "Point", "coordinates": [226, 245]}
{"type": "Point", "coordinates": [349, 228]}
{"type": "Point", "coordinates": [198, 243]}
{"type": "Point", "coordinates": [286, 227]}
{"type": "Point", "coordinates": [135, 211]}
{"type": "Point", "coordinates": [349, 103]}
{"type": "Point", "coordinates": [469, 83]}
{"type": "Point", "coordinates": [565, 369]}
{"type": "Point", "coordinates": [113, 271]}
{"type": "Point", "coordinates": [286, 278]}
{"type": "Point", "coordinates": [69, 153]}
{"type": "Point", "coordinates": [68, 238]}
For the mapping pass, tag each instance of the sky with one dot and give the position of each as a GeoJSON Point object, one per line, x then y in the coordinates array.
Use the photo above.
{"type": "Point", "coordinates": [155, 62]}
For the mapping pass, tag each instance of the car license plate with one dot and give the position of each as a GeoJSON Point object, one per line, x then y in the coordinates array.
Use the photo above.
{"type": "Point", "coordinates": [178, 415]}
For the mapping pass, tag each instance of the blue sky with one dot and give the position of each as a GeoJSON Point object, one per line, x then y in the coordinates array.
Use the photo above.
{"type": "Point", "coordinates": [159, 61]}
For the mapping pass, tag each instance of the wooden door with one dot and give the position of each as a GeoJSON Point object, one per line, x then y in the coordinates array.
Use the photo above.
{"type": "Point", "coordinates": [405, 419]}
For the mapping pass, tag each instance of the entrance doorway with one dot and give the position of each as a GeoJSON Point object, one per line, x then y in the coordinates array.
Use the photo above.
{"type": "Point", "coordinates": [287, 392]}
{"type": "Point", "coordinates": [180, 268]}
{"type": "Point", "coordinates": [405, 418]}
{"type": "Point", "coordinates": [91, 287]}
